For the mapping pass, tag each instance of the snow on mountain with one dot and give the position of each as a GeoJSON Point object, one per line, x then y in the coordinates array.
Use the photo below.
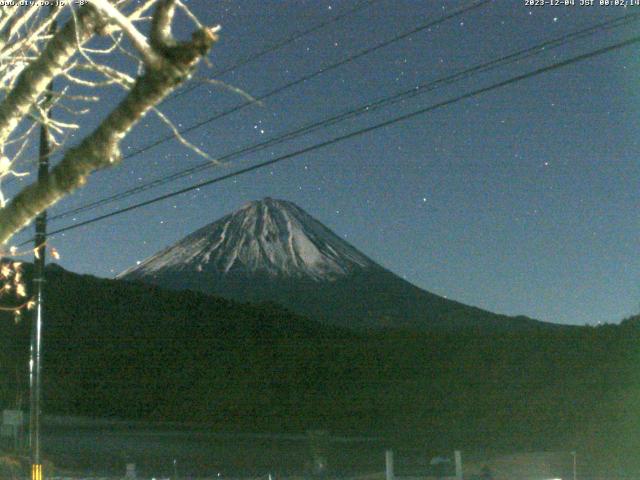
{"type": "Point", "coordinates": [272, 250]}
{"type": "Point", "coordinates": [269, 236]}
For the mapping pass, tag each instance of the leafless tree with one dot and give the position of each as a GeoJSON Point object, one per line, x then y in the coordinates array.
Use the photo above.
{"type": "Point", "coordinates": [79, 56]}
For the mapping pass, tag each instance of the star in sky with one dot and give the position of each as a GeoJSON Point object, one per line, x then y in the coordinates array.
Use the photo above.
{"type": "Point", "coordinates": [475, 163]}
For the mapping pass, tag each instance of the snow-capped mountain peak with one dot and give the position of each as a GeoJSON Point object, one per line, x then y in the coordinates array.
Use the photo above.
{"type": "Point", "coordinates": [272, 237]}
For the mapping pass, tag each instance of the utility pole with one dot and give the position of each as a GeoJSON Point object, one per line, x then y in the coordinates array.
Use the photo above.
{"type": "Point", "coordinates": [40, 250]}
{"type": "Point", "coordinates": [35, 364]}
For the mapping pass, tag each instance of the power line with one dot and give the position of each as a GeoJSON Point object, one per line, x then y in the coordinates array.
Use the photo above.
{"type": "Point", "coordinates": [294, 37]}
{"type": "Point", "coordinates": [278, 45]}
{"type": "Point", "coordinates": [360, 132]}
{"type": "Point", "coordinates": [367, 51]}
{"type": "Point", "coordinates": [256, 55]}
{"type": "Point", "coordinates": [317, 73]}
{"type": "Point", "coordinates": [369, 107]}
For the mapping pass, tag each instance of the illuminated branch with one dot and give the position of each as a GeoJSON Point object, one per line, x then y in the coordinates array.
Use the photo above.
{"type": "Point", "coordinates": [35, 78]}
{"type": "Point", "coordinates": [173, 63]}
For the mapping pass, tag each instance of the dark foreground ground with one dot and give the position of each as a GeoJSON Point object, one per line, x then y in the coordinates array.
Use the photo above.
{"type": "Point", "coordinates": [103, 448]}
{"type": "Point", "coordinates": [84, 448]}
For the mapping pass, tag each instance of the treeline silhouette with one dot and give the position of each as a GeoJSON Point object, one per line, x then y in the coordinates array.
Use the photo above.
{"type": "Point", "coordinates": [129, 351]}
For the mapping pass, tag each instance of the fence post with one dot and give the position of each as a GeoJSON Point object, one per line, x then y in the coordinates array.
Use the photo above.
{"type": "Point", "coordinates": [130, 473]}
{"type": "Point", "coordinates": [458, 458]}
{"type": "Point", "coordinates": [388, 457]}
{"type": "Point", "coordinates": [319, 445]}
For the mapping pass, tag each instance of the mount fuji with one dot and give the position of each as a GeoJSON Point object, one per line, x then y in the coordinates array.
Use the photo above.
{"type": "Point", "coordinates": [273, 251]}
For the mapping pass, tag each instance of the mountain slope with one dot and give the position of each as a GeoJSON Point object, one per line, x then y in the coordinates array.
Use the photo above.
{"type": "Point", "coordinates": [272, 250]}
{"type": "Point", "coordinates": [272, 237]}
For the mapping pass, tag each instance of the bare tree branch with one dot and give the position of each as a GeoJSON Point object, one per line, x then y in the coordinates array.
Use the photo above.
{"type": "Point", "coordinates": [35, 78]}
{"type": "Point", "coordinates": [138, 40]}
{"type": "Point", "coordinates": [101, 148]}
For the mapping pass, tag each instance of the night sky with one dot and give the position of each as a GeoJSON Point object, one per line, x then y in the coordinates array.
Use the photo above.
{"type": "Point", "coordinates": [523, 200]}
